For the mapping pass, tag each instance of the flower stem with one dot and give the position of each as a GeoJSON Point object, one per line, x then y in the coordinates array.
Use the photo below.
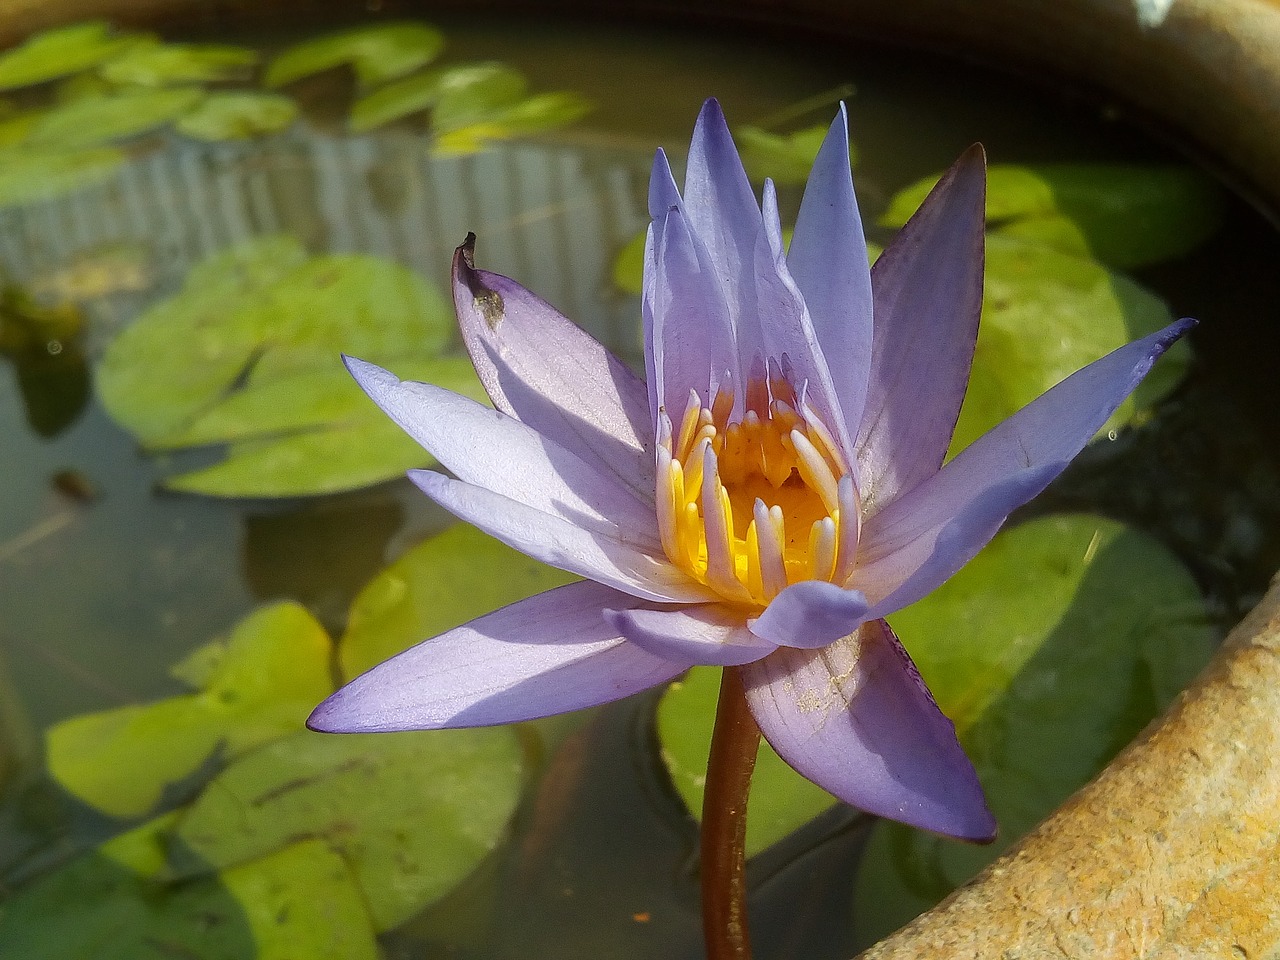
{"type": "Point", "coordinates": [724, 823]}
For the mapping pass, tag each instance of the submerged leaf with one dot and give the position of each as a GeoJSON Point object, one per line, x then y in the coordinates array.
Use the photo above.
{"type": "Point", "coordinates": [378, 53]}
{"type": "Point", "coordinates": [151, 63]}
{"type": "Point", "coordinates": [261, 684]}
{"type": "Point", "coordinates": [1050, 650]}
{"type": "Point", "coordinates": [441, 583]}
{"type": "Point", "coordinates": [1125, 215]}
{"type": "Point", "coordinates": [781, 799]}
{"type": "Point", "coordinates": [413, 813]}
{"type": "Point", "coordinates": [103, 118]}
{"type": "Point", "coordinates": [238, 116]}
{"type": "Point", "coordinates": [59, 52]}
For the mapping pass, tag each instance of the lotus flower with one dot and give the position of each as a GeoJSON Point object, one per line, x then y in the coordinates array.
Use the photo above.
{"type": "Point", "coordinates": [763, 501]}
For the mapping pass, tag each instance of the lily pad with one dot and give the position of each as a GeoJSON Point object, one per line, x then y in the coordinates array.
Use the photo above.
{"type": "Point", "coordinates": [151, 63]}
{"type": "Point", "coordinates": [248, 353]}
{"type": "Point", "coordinates": [103, 118]}
{"type": "Point", "coordinates": [1050, 651]}
{"type": "Point", "coordinates": [378, 53]}
{"type": "Point", "coordinates": [238, 116]}
{"type": "Point", "coordinates": [260, 684]}
{"type": "Point", "coordinates": [32, 174]}
{"type": "Point", "coordinates": [57, 53]}
{"type": "Point", "coordinates": [781, 800]}
{"type": "Point", "coordinates": [1045, 315]}
{"type": "Point", "coordinates": [1125, 215]}
{"type": "Point", "coordinates": [487, 102]}
{"type": "Point", "coordinates": [441, 583]}
{"type": "Point", "coordinates": [413, 813]}
{"type": "Point", "coordinates": [784, 158]}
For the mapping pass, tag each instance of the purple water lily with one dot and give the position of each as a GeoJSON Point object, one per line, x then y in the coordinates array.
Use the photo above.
{"type": "Point", "coordinates": [771, 494]}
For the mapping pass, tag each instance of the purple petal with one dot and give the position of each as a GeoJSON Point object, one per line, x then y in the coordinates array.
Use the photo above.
{"type": "Point", "coordinates": [828, 259]}
{"type": "Point", "coordinates": [545, 371]}
{"type": "Point", "coordinates": [785, 327]}
{"type": "Point", "coordinates": [856, 719]}
{"type": "Point", "coordinates": [691, 335]}
{"type": "Point", "coordinates": [549, 654]}
{"type": "Point", "coordinates": [722, 207]}
{"type": "Point", "coordinates": [811, 613]}
{"type": "Point", "coordinates": [915, 543]}
{"type": "Point", "coordinates": [611, 560]}
{"type": "Point", "coordinates": [664, 195]}
{"type": "Point", "coordinates": [489, 449]}
{"type": "Point", "coordinates": [927, 287]}
{"type": "Point", "coordinates": [708, 634]}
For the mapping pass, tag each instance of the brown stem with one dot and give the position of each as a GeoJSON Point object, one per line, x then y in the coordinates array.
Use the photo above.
{"type": "Point", "coordinates": [724, 823]}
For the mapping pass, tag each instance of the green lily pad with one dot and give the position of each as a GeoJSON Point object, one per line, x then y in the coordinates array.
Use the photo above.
{"type": "Point", "coordinates": [440, 584]}
{"type": "Point", "coordinates": [537, 114]}
{"type": "Point", "coordinates": [33, 174]}
{"type": "Point", "coordinates": [57, 53]}
{"type": "Point", "coordinates": [1125, 215]}
{"type": "Point", "coordinates": [300, 901]}
{"type": "Point", "coordinates": [378, 53]}
{"type": "Point", "coordinates": [238, 116]}
{"type": "Point", "coordinates": [781, 800]}
{"type": "Point", "coordinates": [1045, 315]}
{"type": "Point", "coordinates": [1050, 651]}
{"type": "Point", "coordinates": [471, 92]}
{"type": "Point", "coordinates": [260, 684]}
{"type": "Point", "coordinates": [784, 158]}
{"type": "Point", "coordinates": [247, 353]}
{"type": "Point", "coordinates": [151, 63]}
{"type": "Point", "coordinates": [413, 813]}
{"type": "Point", "coordinates": [103, 118]}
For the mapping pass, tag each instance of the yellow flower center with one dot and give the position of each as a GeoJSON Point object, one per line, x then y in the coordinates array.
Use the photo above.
{"type": "Point", "coordinates": [751, 505]}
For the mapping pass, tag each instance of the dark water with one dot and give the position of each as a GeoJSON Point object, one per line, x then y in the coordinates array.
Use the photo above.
{"type": "Point", "coordinates": [106, 580]}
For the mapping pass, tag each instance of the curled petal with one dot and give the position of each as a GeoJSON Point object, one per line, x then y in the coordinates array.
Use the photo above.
{"type": "Point", "coordinates": [811, 613]}
{"type": "Point", "coordinates": [490, 449]}
{"type": "Point", "coordinates": [611, 560]}
{"type": "Point", "coordinates": [914, 544]}
{"type": "Point", "coordinates": [548, 654]}
{"type": "Point", "coordinates": [927, 288]}
{"type": "Point", "coordinates": [828, 259]}
{"type": "Point", "coordinates": [708, 634]}
{"type": "Point", "coordinates": [856, 719]}
{"type": "Point", "coordinates": [547, 372]}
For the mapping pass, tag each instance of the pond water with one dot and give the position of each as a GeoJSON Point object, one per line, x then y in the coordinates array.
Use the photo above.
{"type": "Point", "coordinates": [109, 578]}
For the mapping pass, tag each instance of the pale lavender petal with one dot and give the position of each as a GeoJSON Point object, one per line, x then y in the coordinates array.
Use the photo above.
{"type": "Point", "coordinates": [664, 195]}
{"type": "Point", "coordinates": [546, 371]}
{"type": "Point", "coordinates": [915, 543]}
{"type": "Point", "coordinates": [856, 719]}
{"type": "Point", "coordinates": [927, 287]}
{"type": "Point", "coordinates": [549, 654]}
{"type": "Point", "coordinates": [722, 207]}
{"type": "Point", "coordinates": [785, 327]}
{"type": "Point", "coordinates": [828, 259]}
{"type": "Point", "coordinates": [708, 634]}
{"type": "Point", "coordinates": [692, 337]}
{"type": "Point", "coordinates": [616, 561]}
{"type": "Point", "coordinates": [489, 449]}
{"type": "Point", "coordinates": [811, 613]}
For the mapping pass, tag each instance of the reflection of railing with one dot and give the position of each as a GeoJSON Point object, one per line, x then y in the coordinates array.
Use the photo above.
{"type": "Point", "coordinates": [551, 216]}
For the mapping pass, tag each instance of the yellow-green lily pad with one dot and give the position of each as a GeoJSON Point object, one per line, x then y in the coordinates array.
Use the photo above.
{"type": "Point", "coordinates": [60, 52]}
{"type": "Point", "coordinates": [238, 115]}
{"type": "Point", "coordinates": [377, 52]}
{"type": "Point", "coordinates": [151, 63]}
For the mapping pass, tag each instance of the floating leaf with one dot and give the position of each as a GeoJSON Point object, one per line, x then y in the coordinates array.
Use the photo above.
{"type": "Point", "coordinates": [1124, 215]}
{"type": "Point", "coordinates": [378, 53]}
{"type": "Point", "coordinates": [400, 98]}
{"type": "Point", "coordinates": [1050, 650]}
{"type": "Point", "coordinates": [471, 93]}
{"type": "Point", "coordinates": [1045, 315]}
{"type": "Point", "coordinates": [238, 116]}
{"type": "Point", "coordinates": [103, 118]}
{"type": "Point", "coordinates": [248, 353]}
{"type": "Point", "coordinates": [536, 114]}
{"type": "Point", "coordinates": [784, 158]}
{"type": "Point", "coordinates": [151, 63]}
{"type": "Point", "coordinates": [262, 684]}
{"type": "Point", "coordinates": [413, 813]}
{"type": "Point", "coordinates": [441, 583]}
{"type": "Point", "coordinates": [31, 174]}
{"type": "Point", "coordinates": [57, 53]}
{"type": "Point", "coordinates": [781, 799]}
